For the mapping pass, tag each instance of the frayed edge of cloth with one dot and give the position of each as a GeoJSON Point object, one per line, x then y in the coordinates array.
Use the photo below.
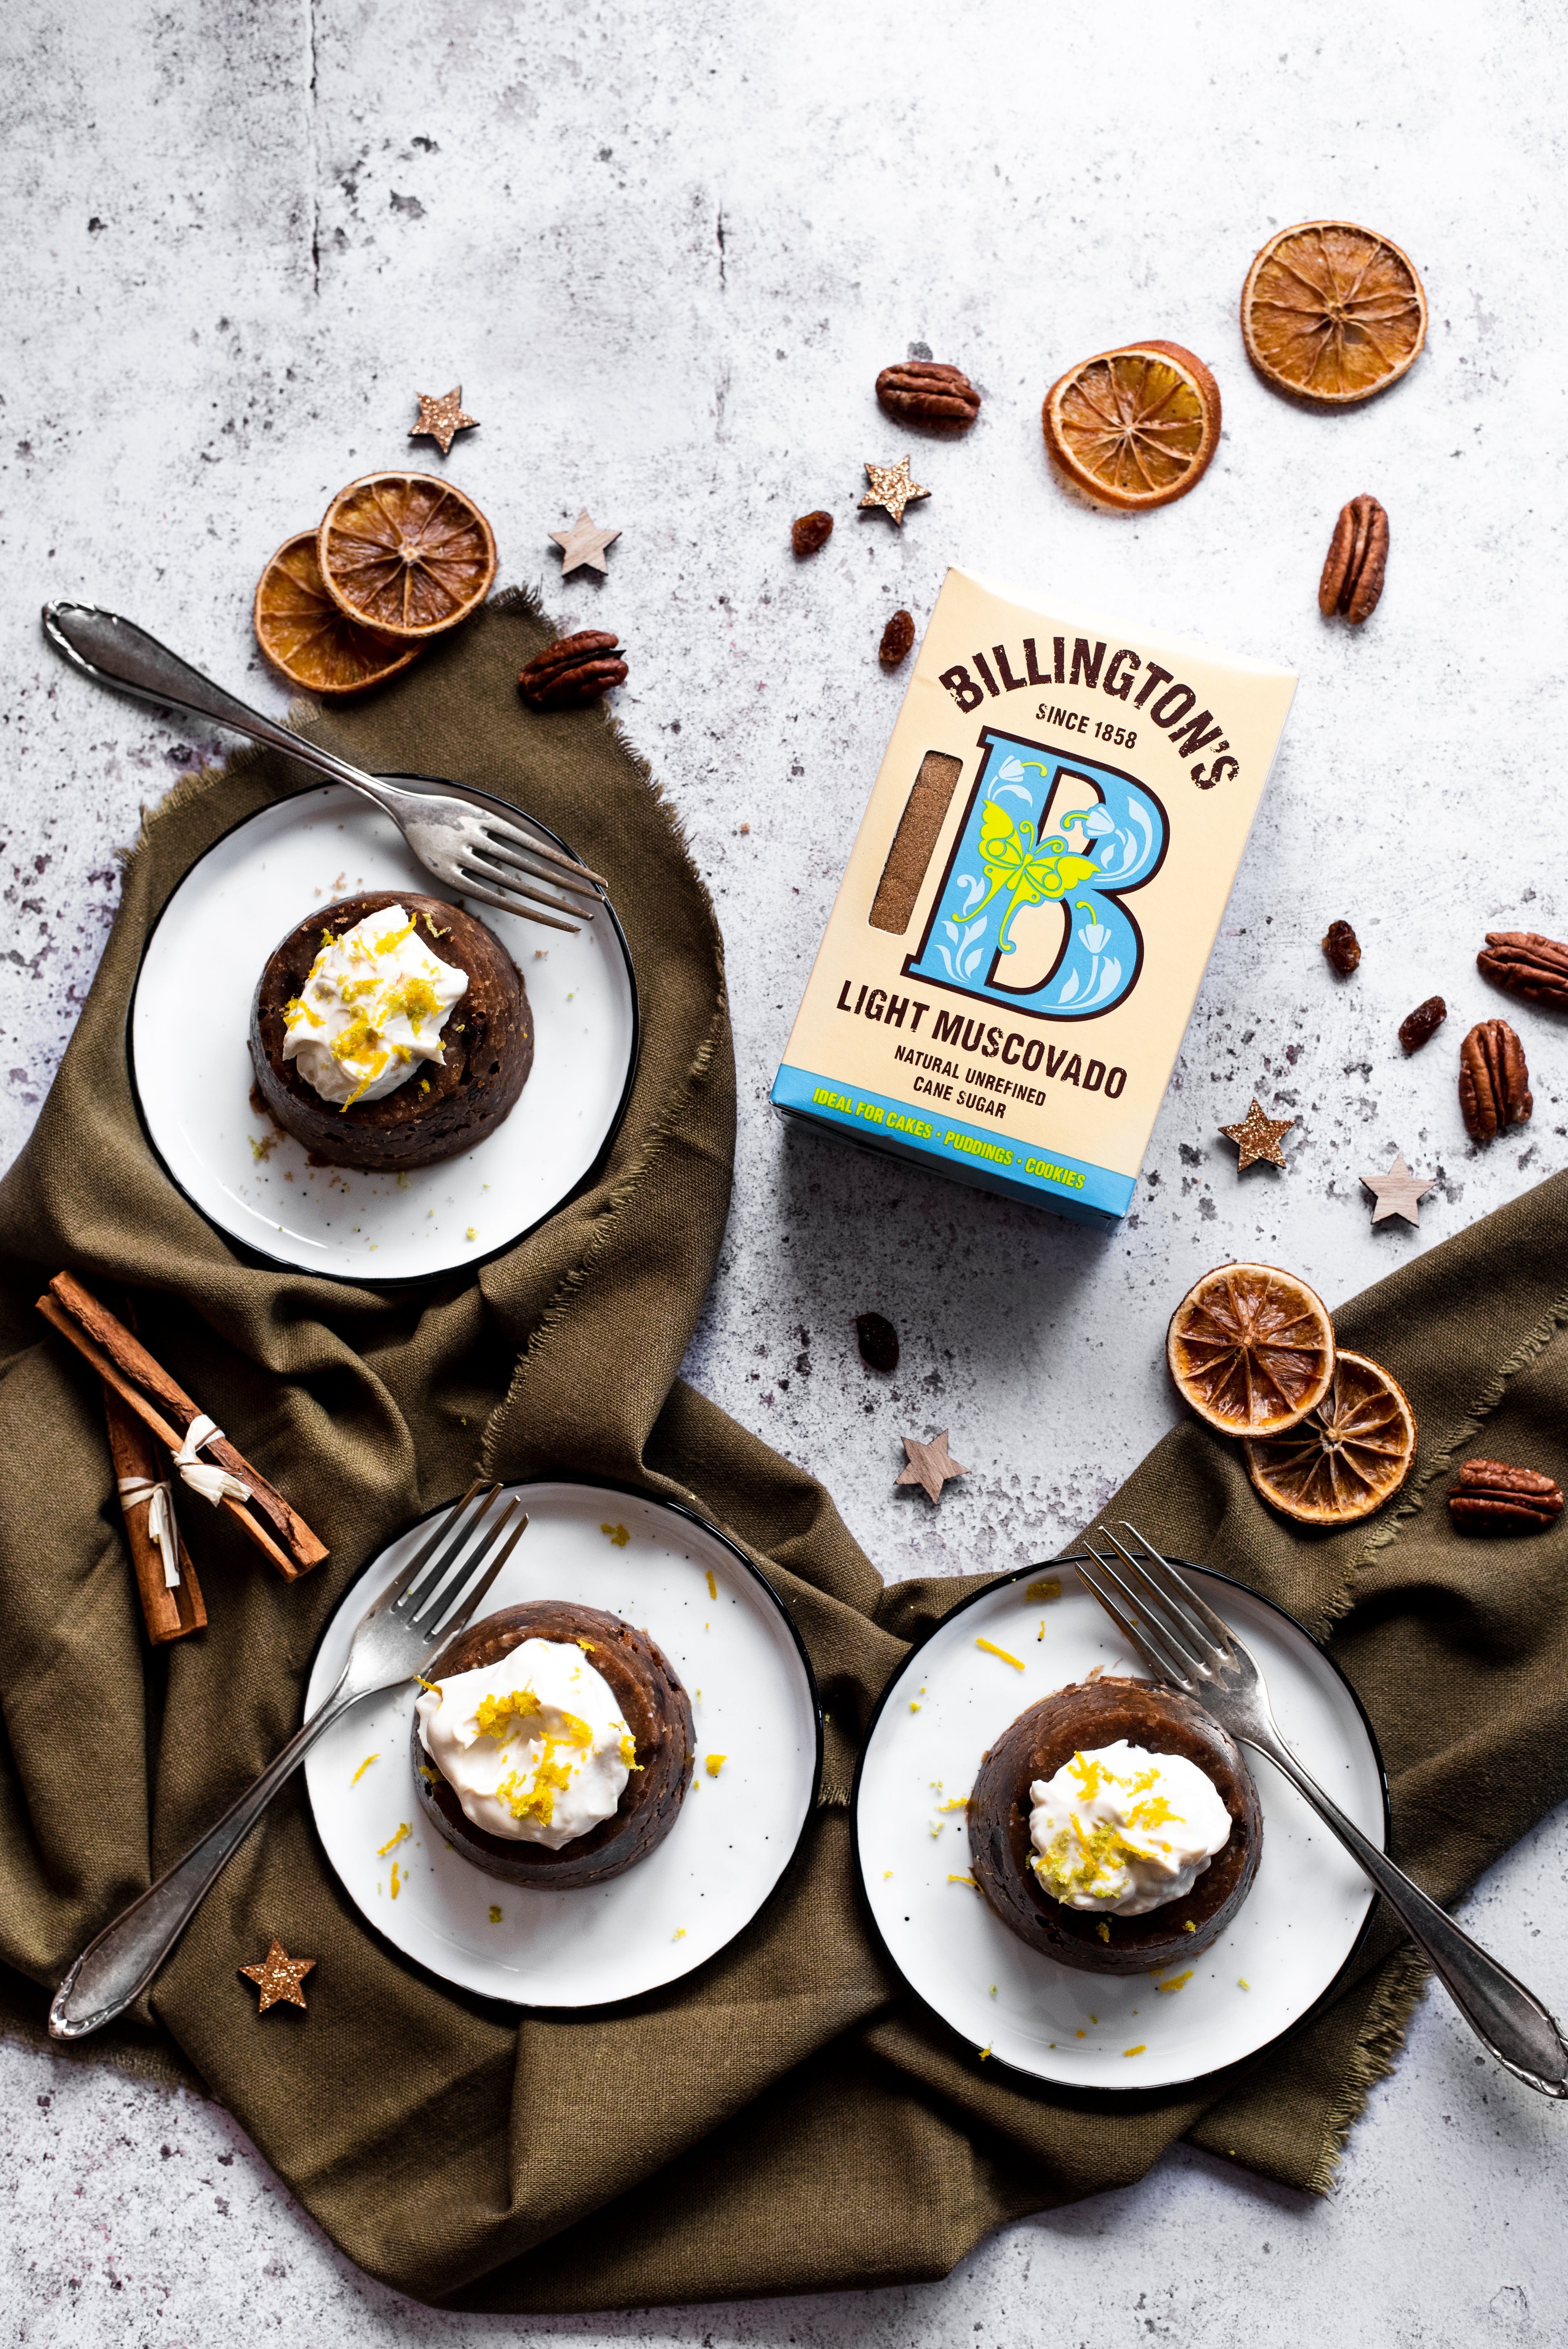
{"type": "Point", "coordinates": [194, 785]}
{"type": "Point", "coordinates": [1377, 2049]}
{"type": "Point", "coordinates": [525, 600]}
{"type": "Point", "coordinates": [576, 1279]}
{"type": "Point", "coordinates": [1414, 1497]}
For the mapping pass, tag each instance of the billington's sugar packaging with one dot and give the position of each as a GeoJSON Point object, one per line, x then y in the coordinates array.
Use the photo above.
{"type": "Point", "coordinates": [1029, 906]}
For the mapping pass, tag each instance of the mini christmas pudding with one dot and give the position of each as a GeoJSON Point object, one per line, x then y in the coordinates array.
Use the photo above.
{"type": "Point", "coordinates": [553, 1745]}
{"type": "Point", "coordinates": [1115, 1827]}
{"type": "Point", "coordinates": [390, 1030]}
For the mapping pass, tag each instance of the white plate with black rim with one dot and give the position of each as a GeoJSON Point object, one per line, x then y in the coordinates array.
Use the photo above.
{"type": "Point", "coordinates": [191, 1066]}
{"type": "Point", "coordinates": [1277, 1959]}
{"type": "Point", "coordinates": [737, 1655]}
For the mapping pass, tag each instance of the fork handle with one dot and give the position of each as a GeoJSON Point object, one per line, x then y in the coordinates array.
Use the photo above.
{"type": "Point", "coordinates": [115, 651]}
{"type": "Point", "coordinates": [114, 1969]}
{"type": "Point", "coordinates": [1503, 2015]}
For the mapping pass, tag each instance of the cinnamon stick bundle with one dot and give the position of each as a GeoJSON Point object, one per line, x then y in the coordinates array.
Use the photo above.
{"type": "Point", "coordinates": [124, 1363]}
{"type": "Point", "coordinates": [169, 1613]}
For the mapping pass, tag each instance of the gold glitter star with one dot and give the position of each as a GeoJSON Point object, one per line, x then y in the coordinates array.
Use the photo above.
{"type": "Point", "coordinates": [1397, 1192]}
{"type": "Point", "coordinates": [279, 1976]}
{"type": "Point", "coordinates": [584, 542]}
{"type": "Point", "coordinates": [441, 420]}
{"type": "Point", "coordinates": [931, 1465]}
{"type": "Point", "coordinates": [891, 487]}
{"type": "Point", "coordinates": [1258, 1137]}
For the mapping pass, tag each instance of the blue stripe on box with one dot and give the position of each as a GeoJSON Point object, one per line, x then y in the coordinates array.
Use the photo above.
{"type": "Point", "coordinates": [1069, 1187]}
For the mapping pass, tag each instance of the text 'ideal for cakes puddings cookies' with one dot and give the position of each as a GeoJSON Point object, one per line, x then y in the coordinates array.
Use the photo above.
{"type": "Point", "coordinates": [1115, 1827]}
{"type": "Point", "coordinates": [553, 1745]}
{"type": "Point", "coordinates": [390, 1030]}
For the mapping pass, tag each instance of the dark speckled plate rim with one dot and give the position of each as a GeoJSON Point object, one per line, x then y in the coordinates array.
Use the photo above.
{"type": "Point", "coordinates": [1074, 2089]}
{"type": "Point", "coordinates": [512, 2008]}
{"type": "Point", "coordinates": [246, 1250]}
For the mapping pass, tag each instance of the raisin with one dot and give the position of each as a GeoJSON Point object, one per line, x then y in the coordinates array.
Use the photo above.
{"type": "Point", "coordinates": [1343, 947]}
{"type": "Point", "coordinates": [878, 1341]}
{"type": "Point", "coordinates": [1423, 1023]}
{"type": "Point", "coordinates": [811, 533]}
{"type": "Point", "coordinates": [897, 638]}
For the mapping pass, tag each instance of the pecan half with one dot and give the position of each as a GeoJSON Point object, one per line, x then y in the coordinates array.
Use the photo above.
{"type": "Point", "coordinates": [1526, 964]}
{"type": "Point", "coordinates": [574, 671]}
{"type": "Point", "coordinates": [811, 533]}
{"type": "Point", "coordinates": [1493, 1497]}
{"type": "Point", "coordinates": [1343, 947]}
{"type": "Point", "coordinates": [1351, 577]}
{"type": "Point", "coordinates": [1494, 1083]}
{"type": "Point", "coordinates": [897, 638]}
{"type": "Point", "coordinates": [923, 391]}
{"type": "Point", "coordinates": [1419, 1027]}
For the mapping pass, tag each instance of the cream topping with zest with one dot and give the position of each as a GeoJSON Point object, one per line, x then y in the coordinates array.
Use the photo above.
{"type": "Point", "coordinates": [534, 1746]}
{"type": "Point", "coordinates": [372, 1009]}
{"type": "Point", "coordinates": [1120, 1831]}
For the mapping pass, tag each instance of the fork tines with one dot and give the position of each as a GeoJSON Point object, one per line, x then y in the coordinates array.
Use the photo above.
{"type": "Point", "coordinates": [1178, 1635]}
{"type": "Point", "coordinates": [508, 899]}
{"type": "Point", "coordinates": [495, 862]}
{"type": "Point", "coordinates": [502, 870]}
{"type": "Point", "coordinates": [484, 875]}
{"type": "Point", "coordinates": [515, 848]}
{"type": "Point", "coordinates": [415, 1601]}
{"type": "Point", "coordinates": [464, 1611]}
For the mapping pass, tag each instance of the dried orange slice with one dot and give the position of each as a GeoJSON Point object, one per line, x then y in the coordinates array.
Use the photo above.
{"type": "Point", "coordinates": [1347, 1456]}
{"type": "Point", "coordinates": [1332, 314]}
{"type": "Point", "coordinates": [1251, 1349]}
{"type": "Point", "coordinates": [1135, 427]}
{"type": "Point", "coordinates": [302, 633]}
{"type": "Point", "coordinates": [406, 553]}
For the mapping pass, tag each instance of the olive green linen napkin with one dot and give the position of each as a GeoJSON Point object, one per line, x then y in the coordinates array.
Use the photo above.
{"type": "Point", "coordinates": [788, 2119]}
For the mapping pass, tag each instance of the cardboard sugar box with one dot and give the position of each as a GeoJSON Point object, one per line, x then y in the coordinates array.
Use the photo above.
{"type": "Point", "coordinates": [1014, 954]}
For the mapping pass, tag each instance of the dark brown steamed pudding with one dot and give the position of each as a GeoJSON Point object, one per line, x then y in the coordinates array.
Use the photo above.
{"type": "Point", "coordinates": [1075, 1720]}
{"type": "Point", "coordinates": [444, 1107]}
{"type": "Point", "coordinates": [655, 1708]}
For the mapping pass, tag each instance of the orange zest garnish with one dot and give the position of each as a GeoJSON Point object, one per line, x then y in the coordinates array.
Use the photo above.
{"type": "Point", "coordinates": [993, 1649]}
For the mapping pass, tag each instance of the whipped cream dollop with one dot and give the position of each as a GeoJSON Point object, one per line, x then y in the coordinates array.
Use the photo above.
{"type": "Point", "coordinates": [372, 1010]}
{"type": "Point", "coordinates": [534, 1746]}
{"type": "Point", "coordinates": [1121, 1831]}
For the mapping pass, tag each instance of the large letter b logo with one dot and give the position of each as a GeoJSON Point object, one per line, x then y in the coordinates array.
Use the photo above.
{"type": "Point", "coordinates": [1029, 914]}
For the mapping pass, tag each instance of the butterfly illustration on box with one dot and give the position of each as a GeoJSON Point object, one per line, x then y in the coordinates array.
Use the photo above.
{"type": "Point", "coordinates": [1016, 850]}
{"type": "Point", "coordinates": [1028, 873]}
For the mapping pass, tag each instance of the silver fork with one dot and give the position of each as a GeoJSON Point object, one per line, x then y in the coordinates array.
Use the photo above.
{"type": "Point", "coordinates": [1187, 1646]}
{"type": "Point", "coordinates": [396, 1637]}
{"type": "Point", "coordinates": [468, 848]}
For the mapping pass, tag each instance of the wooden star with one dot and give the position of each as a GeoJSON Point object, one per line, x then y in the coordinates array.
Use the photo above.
{"type": "Point", "coordinates": [441, 420]}
{"type": "Point", "coordinates": [931, 1465]}
{"type": "Point", "coordinates": [1397, 1192]}
{"type": "Point", "coordinates": [279, 1976]}
{"type": "Point", "coordinates": [1258, 1137]}
{"type": "Point", "coordinates": [892, 488]}
{"type": "Point", "coordinates": [584, 542]}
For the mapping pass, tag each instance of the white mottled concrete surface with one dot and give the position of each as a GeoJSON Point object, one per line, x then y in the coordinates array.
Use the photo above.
{"type": "Point", "coordinates": [666, 251]}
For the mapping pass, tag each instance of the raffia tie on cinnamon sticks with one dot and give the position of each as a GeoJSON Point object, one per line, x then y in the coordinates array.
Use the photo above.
{"type": "Point", "coordinates": [171, 1603]}
{"type": "Point", "coordinates": [224, 1476]}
